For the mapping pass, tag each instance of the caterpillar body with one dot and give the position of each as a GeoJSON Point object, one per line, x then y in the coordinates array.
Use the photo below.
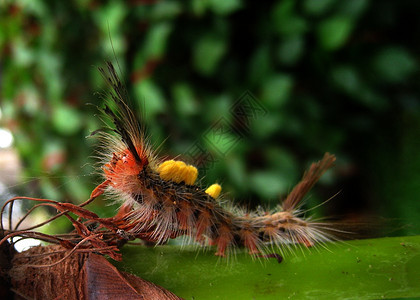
{"type": "Point", "coordinates": [161, 200]}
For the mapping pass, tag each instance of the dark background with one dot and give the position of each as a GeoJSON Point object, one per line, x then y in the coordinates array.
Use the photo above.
{"type": "Point", "coordinates": [328, 75]}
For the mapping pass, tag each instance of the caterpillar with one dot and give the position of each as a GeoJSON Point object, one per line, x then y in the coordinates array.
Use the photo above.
{"type": "Point", "coordinates": [161, 199]}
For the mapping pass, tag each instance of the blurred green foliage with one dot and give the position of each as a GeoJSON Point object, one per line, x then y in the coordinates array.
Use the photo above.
{"type": "Point", "coordinates": [336, 76]}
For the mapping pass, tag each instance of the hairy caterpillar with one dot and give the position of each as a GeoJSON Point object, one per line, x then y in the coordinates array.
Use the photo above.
{"type": "Point", "coordinates": [160, 199]}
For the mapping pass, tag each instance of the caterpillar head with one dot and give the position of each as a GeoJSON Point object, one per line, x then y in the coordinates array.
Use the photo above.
{"type": "Point", "coordinates": [122, 170]}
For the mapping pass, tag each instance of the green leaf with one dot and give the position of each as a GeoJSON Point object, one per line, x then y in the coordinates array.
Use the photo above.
{"type": "Point", "coordinates": [51, 66]}
{"type": "Point", "coordinates": [268, 125]}
{"type": "Point", "coordinates": [219, 140]}
{"type": "Point", "coordinates": [346, 78]}
{"type": "Point", "coordinates": [224, 7]}
{"type": "Point", "coordinates": [23, 55]}
{"type": "Point", "coordinates": [166, 10]}
{"type": "Point", "coordinates": [334, 32]}
{"type": "Point", "coordinates": [48, 189]}
{"type": "Point", "coordinates": [353, 8]}
{"type": "Point", "coordinates": [363, 269]}
{"type": "Point", "coordinates": [66, 119]}
{"type": "Point", "coordinates": [110, 16]}
{"type": "Point", "coordinates": [291, 49]}
{"type": "Point", "coordinates": [269, 184]}
{"type": "Point", "coordinates": [208, 51]}
{"type": "Point", "coordinates": [276, 90]}
{"type": "Point", "coordinates": [185, 103]}
{"type": "Point", "coordinates": [155, 45]}
{"type": "Point", "coordinates": [36, 7]}
{"type": "Point", "coordinates": [150, 97]}
{"type": "Point", "coordinates": [109, 19]}
{"type": "Point", "coordinates": [285, 19]}
{"type": "Point", "coordinates": [394, 64]}
{"type": "Point", "coordinates": [282, 160]}
{"type": "Point", "coordinates": [237, 170]}
{"type": "Point", "coordinates": [199, 7]}
{"type": "Point", "coordinates": [77, 188]}
{"type": "Point", "coordinates": [372, 99]}
{"type": "Point", "coordinates": [317, 7]}
{"type": "Point", "coordinates": [260, 64]}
